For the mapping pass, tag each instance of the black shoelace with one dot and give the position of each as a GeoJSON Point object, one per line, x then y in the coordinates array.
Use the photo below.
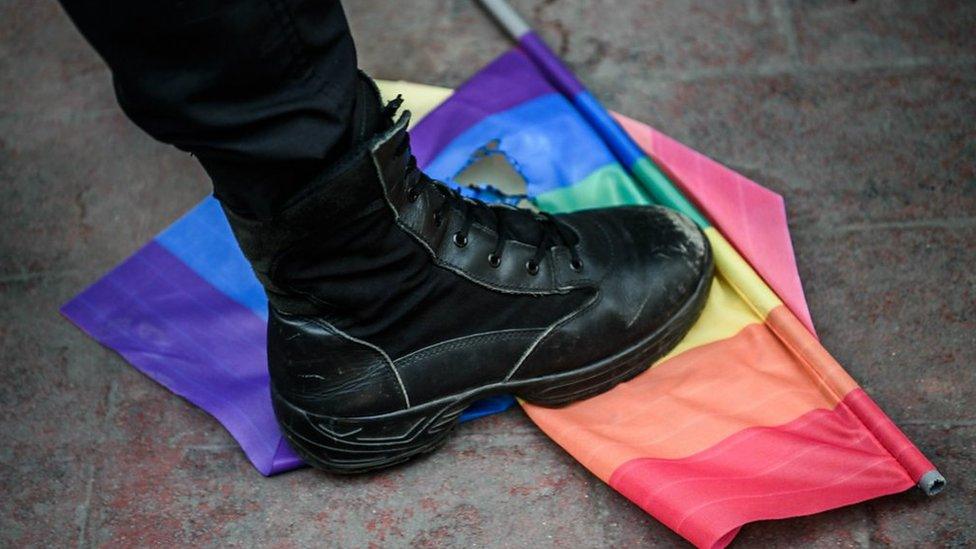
{"type": "Point", "coordinates": [554, 233]}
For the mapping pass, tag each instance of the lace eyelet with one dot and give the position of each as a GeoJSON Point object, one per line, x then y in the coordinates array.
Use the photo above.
{"type": "Point", "coordinates": [494, 260]}
{"type": "Point", "coordinates": [460, 240]}
{"type": "Point", "coordinates": [532, 267]}
{"type": "Point", "coordinates": [576, 265]}
{"type": "Point", "coordinates": [413, 195]}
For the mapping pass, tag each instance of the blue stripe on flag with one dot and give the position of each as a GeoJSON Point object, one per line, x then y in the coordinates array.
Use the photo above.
{"type": "Point", "coordinates": [552, 144]}
{"type": "Point", "coordinates": [202, 240]}
{"type": "Point", "coordinates": [621, 143]}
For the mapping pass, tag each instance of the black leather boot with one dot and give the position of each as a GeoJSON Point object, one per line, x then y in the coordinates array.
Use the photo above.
{"type": "Point", "coordinates": [395, 303]}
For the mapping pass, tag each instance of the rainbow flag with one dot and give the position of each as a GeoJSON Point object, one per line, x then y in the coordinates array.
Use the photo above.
{"type": "Point", "coordinates": [749, 418]}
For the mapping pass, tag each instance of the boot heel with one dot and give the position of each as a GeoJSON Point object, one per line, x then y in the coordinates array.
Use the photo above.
{"type": "Point", "coordinates": [362, 444]}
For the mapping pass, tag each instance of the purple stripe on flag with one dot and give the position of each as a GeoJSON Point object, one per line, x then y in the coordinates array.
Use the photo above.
{"type": "Point", "coordinates": [508, 81]}
{"type": "Point", "coordinates": [549, 63]}
{"type": "Point", "coordinates": [182, 332]}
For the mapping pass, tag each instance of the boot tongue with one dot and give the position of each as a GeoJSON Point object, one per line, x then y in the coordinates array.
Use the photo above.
{"type": "Point", "coordinates": [521, 225]}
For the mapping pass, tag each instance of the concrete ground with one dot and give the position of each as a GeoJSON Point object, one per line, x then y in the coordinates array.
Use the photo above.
{"type": "Point", "coordinates": [862, 113]}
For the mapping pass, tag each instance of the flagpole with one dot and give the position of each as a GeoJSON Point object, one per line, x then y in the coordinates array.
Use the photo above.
{"type": "Point", "coordinates": [658, 188]}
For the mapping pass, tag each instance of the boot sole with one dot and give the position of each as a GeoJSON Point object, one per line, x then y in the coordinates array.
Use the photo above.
{"type": "Point", "coordinates": [350, 445]}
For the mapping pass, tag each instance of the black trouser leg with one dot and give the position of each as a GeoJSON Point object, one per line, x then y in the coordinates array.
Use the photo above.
{"type": "Point", "coordinates": [261, 91]}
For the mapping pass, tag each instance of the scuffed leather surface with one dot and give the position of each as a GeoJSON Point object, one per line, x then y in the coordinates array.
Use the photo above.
{"type": "Point", "coordinates": [318, 369]}
{"type": "Point", "coordinates": [645, 262]}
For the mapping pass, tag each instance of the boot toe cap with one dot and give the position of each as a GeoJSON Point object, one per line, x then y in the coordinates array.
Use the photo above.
{"type": "Point", "coordinates": [662, 261]}
{"type": "Point", "coordinates": [650, 268]}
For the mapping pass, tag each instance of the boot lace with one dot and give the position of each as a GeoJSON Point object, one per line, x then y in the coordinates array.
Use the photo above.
{"type": "Point", "coordinates": [553, 232]}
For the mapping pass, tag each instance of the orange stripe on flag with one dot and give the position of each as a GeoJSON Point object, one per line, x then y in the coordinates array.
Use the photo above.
{"type": "Point", "coordinates": [691, 401]}
{"type": "Point", "coordinates": [805, 347]}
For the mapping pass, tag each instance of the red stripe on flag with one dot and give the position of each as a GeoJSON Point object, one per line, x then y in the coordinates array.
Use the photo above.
{"type": "Point", "coordinates": [889, 434]}
{"type": "Point", "coordinates": [822, 460]}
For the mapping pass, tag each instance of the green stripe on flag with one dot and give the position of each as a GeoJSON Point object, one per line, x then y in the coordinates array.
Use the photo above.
{"type": "Point", "coordinates": [606, 186]}
{"type": "Point", "coordinates": [663, 192]}
{"type": "Point", "coordinates": [611, 185]}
